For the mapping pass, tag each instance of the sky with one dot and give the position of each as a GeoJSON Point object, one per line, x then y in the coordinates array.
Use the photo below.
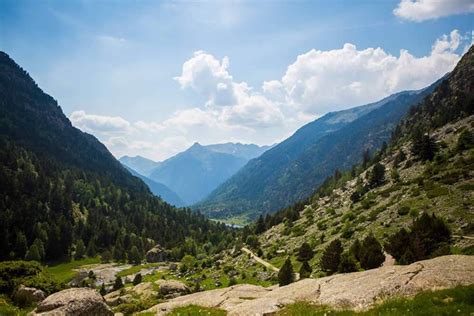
{"type": "Point", "coordinates": [150, 78]}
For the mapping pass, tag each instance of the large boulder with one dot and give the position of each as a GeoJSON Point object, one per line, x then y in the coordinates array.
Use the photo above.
{"type": "Point", "coordinates": [75, 301]}
{"type": "Point", "coordinates": [156, 254]}
{"type": "Point", "coordinates": [172, 287]}
{"type": "Point", "coordinates": [28, 295]}
{"type": "Point", "coordinates": [356, 291]}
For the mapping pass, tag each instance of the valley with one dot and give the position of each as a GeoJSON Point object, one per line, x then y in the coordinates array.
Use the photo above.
{"type": "Point", "coordinates": [360, 210]}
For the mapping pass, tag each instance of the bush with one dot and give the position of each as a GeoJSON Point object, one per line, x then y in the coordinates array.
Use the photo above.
{"type": "Point", "coordinates": [118, 284]}
{"type": "Point", "coordinates": [305, 270]}
{"type": "Point", "coordinates": [465, 140]}
{"type": "Point", "coordinates": [404, 210]}
{"type": "Point", "coordinates": [28, 273]}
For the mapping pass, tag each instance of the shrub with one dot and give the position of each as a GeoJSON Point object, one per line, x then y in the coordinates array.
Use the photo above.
{"type": "Point", "coordinates": [118, 284]}
{"type": "Point", "coordinates": [305, 270]}
{"type": "Point", "coordinates": [404, 210]}
{"type": "Point", "coordinates": [28, 273]}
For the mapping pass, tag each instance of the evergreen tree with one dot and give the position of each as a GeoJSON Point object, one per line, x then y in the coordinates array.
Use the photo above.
{"type": "Point", "coordinates": [347, 264]}
{"type": "Point", "coordinates": [33, 254]}
{"type": "Point", "coordinates": [365, 158]}
{"type": "Point", "coordinates": [106, 256]}
{"type": "Point", "coordinates": [21, 245]}
{"type": "Point", "coordinates": [424, 147]}
{"type": "Point", "coordinates": [332, 256]}
{"type": "Point", "coordinates": [285, 275]}
{"type": "Point", "coordinates": [134, 255]}
{"type": "Point", "coordinates": [118, 284]}
{"type": "Point", "coordinates": [91, 248]}
{"type": "Point", "coordinates": [371, 254]}
{"type": "Point", "coordinates": [355, 248]}
{"type": "Point", "coordinates": [305, 253]}
{"type": "Point", "coordinates": [80, 250]}
{"type": "Point", "coordinates": [103, 291]}
{"type": "Point", "coordinates": [137, 279]}
{"type": "Point", "coordinates": [400, 157]}
{"type": "Point", "coordinates": [260, 226]}
{"type": "Point", "coordinates": [377, 175]}
{"type": "Point", "coordinates": [465, 140]}
{"type": "Point", "coordinates": [305, 270]}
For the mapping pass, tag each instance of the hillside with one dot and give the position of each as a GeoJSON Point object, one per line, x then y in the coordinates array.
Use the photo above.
{"type": "Point", "coordinates": [194, 173]}
{"type": "Point", "coordinates": [291, 170]}
{"type": "Point", "coordinates": [62, 190]}
{"type": "Point", "coordinates": [429, 172]}
{"type": "Point", "coordinates": [159, 189]}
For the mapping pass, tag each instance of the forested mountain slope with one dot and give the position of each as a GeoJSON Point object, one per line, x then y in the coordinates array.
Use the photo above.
{"type": "Point", "coordinates": [291, 170]}
{"type": "Point", "coordinates": [60, 187]}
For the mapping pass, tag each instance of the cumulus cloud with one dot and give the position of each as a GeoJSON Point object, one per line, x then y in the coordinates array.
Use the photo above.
{"type": "Point", "coordinates": [421, 10]}
{"type": "Point", "coordinates": [99, 123]}
{"type": "Point", "coordinates": [321, 81]}
{"type": "Point", "coordinates": [228, 101]}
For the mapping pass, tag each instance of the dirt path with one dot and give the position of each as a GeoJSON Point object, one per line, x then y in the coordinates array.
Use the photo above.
{"type": "Point", "coordinates": [463, 237]}
{"type": "Point", "coordinates": [260, 260]}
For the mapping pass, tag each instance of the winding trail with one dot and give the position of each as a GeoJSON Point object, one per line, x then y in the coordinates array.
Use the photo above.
{"type": "Point", "coordinates": [260, 260]}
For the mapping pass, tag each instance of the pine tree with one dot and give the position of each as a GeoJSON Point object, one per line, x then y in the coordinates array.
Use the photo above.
{"type": "Point", "coordinates": [80, 250]}
{"type": "Point", "coordinates": [305, 270]}
{"type": "Point", "coordinates": [118, 284]}
{"type": "Point", "coordinates": [332, 256]}
{"type": "Point", "coordinates": [21, 245]}
{"type": "Point", "coordinates": [377, 175]}
{"type": "Point", "coordinates": [102, 291]}
{"type": "Point", "coordinates": [347, 264]}
{"type": "Point", "coordinates": [371, 254]}
{"type": "Point", "coordinates": [134, 255]}
{"type": "Point", "coordinates": [285, 275]}
{"type": "Point", "coordinates": [260, 226]}
{"type": "Point", "coordinates": [355, 248]}
{"type": "Point", "coordinates": [33, 254]}
{"type": "Point", "coordinates": [137, 279]}
{"type": "Point", "coordinates": [305, 253]}
{"type": "Point", "coordinates": [91, 248]}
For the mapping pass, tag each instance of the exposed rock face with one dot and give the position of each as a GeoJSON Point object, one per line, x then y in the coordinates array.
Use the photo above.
{"type": "Point", "coordinates": [357, 291]}
{"type": "Point", "coordinates": [172, 287]}
{"type": "Point", "coordinates": [76, 301]}
{"type": "Point", "coordinates": [28, 295]}
{"type": "Point", "coordinates": [156, 254]}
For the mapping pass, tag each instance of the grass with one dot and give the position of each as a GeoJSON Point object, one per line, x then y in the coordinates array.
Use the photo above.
{"type": "Point", "coordinates": [7, 308]}
{"type": "Point", "coordinates": [456, 301]}
{"type": "Point", "coordinates": [136, 269]}
{"type": "Point", "coordinates": [194, 310]}
{"type": "Point", "coordinates": [64, 272]}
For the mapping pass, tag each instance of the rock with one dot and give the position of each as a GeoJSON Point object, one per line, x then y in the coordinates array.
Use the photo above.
{"type": "Point", "coordinates": [357, 291]}
{"type": "Point", "coordinates": [28, 295]}
{"type": "Point", "coordinates": [144, 290]}
{"type": "Point", "coordinates": [75, 301]}
{"type": "Point", "coordinates": [173, 266]}
{"type": "Point", "coordinates": [168, 287]}
{"type": "Point", "coordinates": [156, 254]}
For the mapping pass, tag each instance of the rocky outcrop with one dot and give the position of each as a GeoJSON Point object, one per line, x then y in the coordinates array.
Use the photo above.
{"type": "Point", "coordinates": [357, 291]}
{"type": "Point", "coordinates": [28, 295]}
{"type": "Point", "coordinates": [156, 254]}
{"type": "Point", "coordinates": [172, 287]}
{"type": "Point", "coordinates": [75, 301]}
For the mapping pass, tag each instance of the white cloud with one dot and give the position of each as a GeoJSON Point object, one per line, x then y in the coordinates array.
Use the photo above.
{"type": "Point", "coordinates": [94, 123]}
{"type": "Point", "coordinates": [421, 10]}
{"type": "Point", "coordinates": [321, 81]}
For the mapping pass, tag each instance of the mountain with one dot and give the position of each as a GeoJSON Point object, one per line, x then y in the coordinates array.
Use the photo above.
{"type": "Point", "coordinates": [159, 189]}
{"type": "Point", "coordinates": [62, 190]}
{"type": "Point", "coordinates": [142, 165]}
{"type": "Point", "coordinates": [194, 173]}
{"type": "Point", "coordinates": [292, 169]}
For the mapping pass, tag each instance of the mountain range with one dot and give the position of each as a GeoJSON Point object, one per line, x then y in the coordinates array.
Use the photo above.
{"type": "Point", "coordinates": [195, 172]}
{"type": "Point", "coordinates": [292, 170]}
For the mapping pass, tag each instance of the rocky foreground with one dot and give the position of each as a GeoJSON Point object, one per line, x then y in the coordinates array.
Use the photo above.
{"type": "Point", "coordinates": [357, 291]}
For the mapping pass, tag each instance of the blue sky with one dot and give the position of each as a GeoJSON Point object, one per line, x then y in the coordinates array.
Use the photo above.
{"type": "Point", "coordinates": [117, 68]}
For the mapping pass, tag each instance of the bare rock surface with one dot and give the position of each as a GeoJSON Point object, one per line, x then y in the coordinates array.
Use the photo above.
{"type": "Point", "coordinates": [74, 301]}
{"type": "Point", "coordinates": [357, 291]}
{"type": "Point", "coordinates": [156, 254]}
{"type": "Point", "coordinates": [168, 287]}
